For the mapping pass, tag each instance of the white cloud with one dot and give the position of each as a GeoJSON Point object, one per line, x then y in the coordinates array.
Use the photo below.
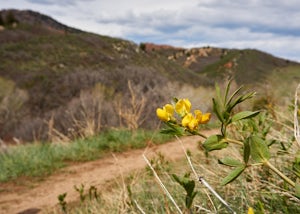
{"type": "Point", "coordinates": [269, 25]}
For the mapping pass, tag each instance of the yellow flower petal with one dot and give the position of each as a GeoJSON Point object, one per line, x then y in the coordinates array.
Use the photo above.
{"type": "Point", "coordinates": [190, 122]}
{"type": "Point", "coordinates": [186, 120]}
{"type": "Point", "coordinates": [193, 124]}
{"type": "Point", "coordinates": [250, 210]}
{"type": "Point", "coordinates": [162, 114]}
{"type": "Point", "coordinates": [198, 115]}
{"type": "Point", "coordinates": [183, 106]}
{"type": "Point", "coordinates": [169, 109]}
{"type": "Point", "coordinates": [205, 118]}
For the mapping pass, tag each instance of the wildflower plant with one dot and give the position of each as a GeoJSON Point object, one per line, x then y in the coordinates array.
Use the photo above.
{"type": "Point", "coordinates": [179, 118]}
{"type": "Point", "coordinates": [251, 130]}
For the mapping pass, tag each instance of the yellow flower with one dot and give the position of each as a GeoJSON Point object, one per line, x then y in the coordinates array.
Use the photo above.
{"type": "Point", "coordinates": [183, 106]}
{"type": "Point", "coordinates": [202, 118]}
{"type": "Point", "coordinates": [190, 122]}
{"type": "Point", "coordinates": [250, 210]}
{"type": "Point", "coordinates": [166, 113]}
{"type": "Point", "coordinates": [205, 118]}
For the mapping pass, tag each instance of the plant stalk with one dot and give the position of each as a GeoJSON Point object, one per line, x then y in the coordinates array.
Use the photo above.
{"type": "Point", "coordinates": [280, 174]}
{"type": "Point", "coordinates": [234, 141]}
{"type": "Point", "coordinates": [201, 135]}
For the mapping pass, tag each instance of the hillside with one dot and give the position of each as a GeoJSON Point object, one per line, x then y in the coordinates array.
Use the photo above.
{"type": "Point", "coordinates": [57, 81]}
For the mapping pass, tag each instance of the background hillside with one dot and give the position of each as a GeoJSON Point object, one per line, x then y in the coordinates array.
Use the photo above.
{"type": "Point", "coordinates": [56, 81]}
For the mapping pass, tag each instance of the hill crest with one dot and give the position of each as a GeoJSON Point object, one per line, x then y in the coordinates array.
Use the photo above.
{"type": "Point", "coordinates": [52, 76]}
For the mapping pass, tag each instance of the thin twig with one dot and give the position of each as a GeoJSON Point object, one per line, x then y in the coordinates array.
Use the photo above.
{"type": "Point", "coordinates": [124, 195]}
{"type": "Point", "coordinates": [202, 208]}
{"type": "Point", "coordinates": [280, 174]}
{"type": "Point", "coordinates": [187, 157]}
{"type": "Point", "coordinates": [204, 182]}
{"type": "Point", "coordinates": [194, 171]}
{"type": "Point", "coordinates": [139, 207]}
{"type": "Point", "coordinates": [162, 185]}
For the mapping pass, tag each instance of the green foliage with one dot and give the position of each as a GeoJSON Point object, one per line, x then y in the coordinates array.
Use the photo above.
{"type": "Point", "coordinates": [189, 186]}
{"type": "Point", "coordinates": [251, 135]}
{"type": "Point", "coordinates": [259, 149]}
{"type": "Point", "coordinates": [80, 191]}
{"type": "Point", "coordinates": [93, 193]}
{"type": "Point", "coordinates": [223, 106]}
{"type": "Point", "coordinates": [45, 158]}
{"type": "Point", "coordinates": [62, 202]}
{"type": "Point", "coordinates": [173, 129]}
{"type": "Point", "coordinates": [233, 175]}
{"type": "Point", "coordinates": [239, 167]}
{"type": "Point", "coordinates": [230, 162]}
{"type": "Point", "coordinates": [215, 142]}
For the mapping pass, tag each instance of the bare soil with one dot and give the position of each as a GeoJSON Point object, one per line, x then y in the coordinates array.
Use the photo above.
{"type": "Point", "coordinates": [35, 196]}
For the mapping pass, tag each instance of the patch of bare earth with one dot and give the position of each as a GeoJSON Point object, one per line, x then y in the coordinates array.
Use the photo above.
{"type": "Point", "coordinates": [36, 196]}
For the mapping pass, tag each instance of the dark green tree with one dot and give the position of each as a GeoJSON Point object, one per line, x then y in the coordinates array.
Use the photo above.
{"type": "Point", "coordinates": [1, 19]}
{"type": "Point", "coordinates": [143, 46]}
{"type": "Point", "coordinates": [10, 18]}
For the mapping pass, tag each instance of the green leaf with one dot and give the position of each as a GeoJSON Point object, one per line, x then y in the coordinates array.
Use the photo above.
{"type": "Point", "coordinates": [218, 93]}
{"type": "Point", "coordinates": [217, 109]}
{"type": "Point", "coordinates": [259, 149]}
{"type": "Point", "coordinates": [296, 165]}
{"type": "Point", "coordinates": [238, 100]}
{"type": "Point", "coordinates": [214, 142]}
{"type": "Point", "coordinates": [233, 175]}
{"type": "Point", "coordinates": [227, 91]}
{"type": "Point", "coordinates": [189, 186]}
{"type": "Point", "coordinates": [244, 115]}
{"type": "Point", "coordinates": [172, 129]}
{"type": "Point", "coordinates": [189, 200]}
{"type": "Point", "coordinates": [186, 183]}
{"type": "Point", "coordinates": [247, 151]}
{"type": "Point", "coordinates": [230, 162]}
{"type": "Point", "coordinates": [233, 94]}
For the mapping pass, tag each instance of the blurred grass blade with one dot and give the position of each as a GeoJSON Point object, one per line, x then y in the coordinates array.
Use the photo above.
{"type": "Point", "coordinates": [297, 190]}
{"type": "Point", "coordinates": [247, 151]}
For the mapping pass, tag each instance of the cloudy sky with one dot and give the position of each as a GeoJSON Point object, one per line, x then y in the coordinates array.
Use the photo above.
{"type": "Point", "coordinates": [269, 25]}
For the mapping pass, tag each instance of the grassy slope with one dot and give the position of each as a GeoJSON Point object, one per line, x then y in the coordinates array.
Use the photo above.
{"type": "Point", "coordinates": [54, 68]}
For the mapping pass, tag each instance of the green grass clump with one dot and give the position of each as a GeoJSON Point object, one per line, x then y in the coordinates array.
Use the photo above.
{"type": "Point", "coordinates": [42, 159]}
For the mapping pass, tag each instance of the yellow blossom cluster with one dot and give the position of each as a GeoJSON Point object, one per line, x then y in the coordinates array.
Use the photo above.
{"type": "Point", "coordinates": [183, 107]}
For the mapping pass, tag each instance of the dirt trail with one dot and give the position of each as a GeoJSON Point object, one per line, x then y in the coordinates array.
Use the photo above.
{"type": "Point", "coordinates": [40, 195]}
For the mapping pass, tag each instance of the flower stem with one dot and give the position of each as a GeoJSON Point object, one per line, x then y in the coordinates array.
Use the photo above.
{"type": "Point", "coordinates": [234, 141]}
{"type": "Point", "coordinates": [274, 169]}
{"type": "Point", "coordinates": [202, 135]}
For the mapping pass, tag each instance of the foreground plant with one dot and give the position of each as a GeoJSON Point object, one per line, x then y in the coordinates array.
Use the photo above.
{"type": "Point", "coordinates": [251, 135]}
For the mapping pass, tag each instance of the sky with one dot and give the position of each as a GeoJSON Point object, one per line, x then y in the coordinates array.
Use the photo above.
{"type": "Point", "coordinates": [272, 26]}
